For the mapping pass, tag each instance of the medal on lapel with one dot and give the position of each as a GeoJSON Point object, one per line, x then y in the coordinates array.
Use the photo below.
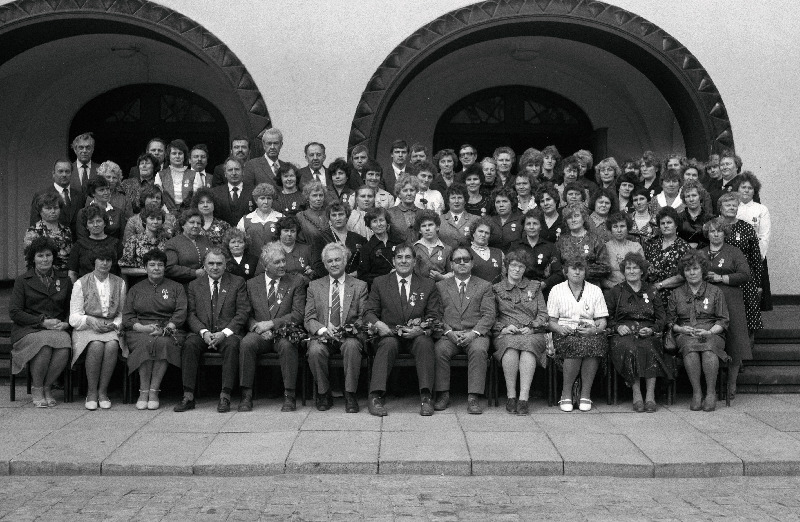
{"type": "Point", "coordinates": [539, 259]}
{"type": "Point", "coordinates": [302, 262]}
{"type": "Point", "coordinates": [586, 249]}
{"type": "Point", "coordinates": [558, 232]}
{"type": "Point", "coordinates": [186, 183]}
{"type": "Point", "coordinates": [272, 228]}
{"type": "Point", "coordinates": [586, 306]}
{"type": "Point", "coordinates": [280, 298]}
{"type": "Point", "coordinates": [738, 236]}
{"type": "Point", "coordinates": [494, 262]}
{"type": "Point", "coordinates": [705, 303]}
{"type": "Point", "coordinates": [646, 299]}
{"type": "Point", "coordinates": [513, 227]}
{"type": "Point", "coordinates": [165, 293]}
{"type": "Point", "coordinates": [466, 230]}
{"type": "Point", "coordinates": [530, 296]}
{"type": "Point", "coordinates": [483, 212]}
{"type": "Point", "coordinates": [294, 205]}
{"type": "Point", "coordinates": [246, 268]}
{"type": "Point", "coordinates": [720, 263]}
{"type": "Point", "coordinates": [440, 256]}
{"type": "Point", "coordinates": [413, 299]}
{"type": "Point", "coordinates": [110, 222]}
{"type": "Point", "coordinates": [58, 285]}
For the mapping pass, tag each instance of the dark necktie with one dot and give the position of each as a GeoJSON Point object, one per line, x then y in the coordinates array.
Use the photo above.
{"type": "Point", "coordinates": [336, 306]}
{"type": "Point", "coordinates": [84, 175]}
{"type": "Point", "coordinates": [235, 196]}
{"type": "Point", "coordinates": [275, 168]}
{"type": "Point", "coordinates": [271, 302]}
{"type": "Point", "coordinates": [214, 302]}
{"type": "Point", "coordinates": [316, 176]}
{"type": "Point", "coordinates": [403, 293]}
{"type": "Point", "coordinates": [462, 291]}
{"type": "Point", "coordinates": [67, 199]}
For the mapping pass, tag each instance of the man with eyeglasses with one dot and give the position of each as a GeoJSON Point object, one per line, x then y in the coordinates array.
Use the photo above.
{"type": "Point", "coordinates": [467, 155]}
{"type": "Point", "coordinates": [469, 313]}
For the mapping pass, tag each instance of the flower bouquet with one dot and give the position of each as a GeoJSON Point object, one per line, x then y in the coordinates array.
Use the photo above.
{"type": "Point", "coordinates": [429, 326]}
{"type": "Point", "coordinates": [293, 332]}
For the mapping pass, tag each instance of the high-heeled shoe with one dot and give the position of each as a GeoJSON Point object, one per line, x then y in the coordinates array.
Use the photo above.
{"type": "Point", "coordinates": [153, 404]}
{"type": "Point", "coordinates": [141, 404]}
{"type": "Point", "coordinates": [39, 403]}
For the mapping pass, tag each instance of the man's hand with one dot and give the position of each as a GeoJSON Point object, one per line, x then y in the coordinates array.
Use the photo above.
{"type": "Point", "coordinates": [383, 329]}
{"type": "Point", "coordinates": [212, 339]}
{"type": "Point", "coordinates": [623, 330]}
{"type": "Point", "coordinates": [413, 332]}
{"type": "Point", "coordinates": [467, 337]}
{"type": "Point", "coordinates": [263, 326]}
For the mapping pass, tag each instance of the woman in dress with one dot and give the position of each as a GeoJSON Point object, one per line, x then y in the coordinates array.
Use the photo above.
{"type": "Point", "coordinates": [578, 315]}
{"type": "Point", "coordinates": [298, 256]}
{"type": "Point", "coordinates": [606, 174]}
{"type": "Point", "coordinates": [644, 225]}
{"type": "Point", "coordinates": [340, 177]}
{"type": "Point", "coordinates": [524, 185]}
{"type": "Point", "coordinates": [698, 317]}
{"type": "Point", "coordinates": [757, 215]}
{"type": "Point", "coordinates": [433, 256]}
{"type": "Point", "coordinates": [487, 261]}
{"type": "Point", "coordinates": [504, 159]}
{"type": "Point", "coordinates": [456, 222]}
{"type": "Point", "coordinates": [185, 252]}
{"type": "Point", "coordinates": [664, 251]}
{"type": "Point", "coordinates": [314, 219]}
{"type": "Point", "coordinates": [670, 195]}
{"type": "Point", "coordinates": [636, 317]}
{"type": "Point", "coordinates": [477, 202]}
{"type": "Point", "coordinates": [259, 225]}
{"type": "Point", "coordinates": [38, 309]}
{"type": "Point", "coordinates": [150, 196]}
{"type": "Point", "coordinates": [213, 228]}
{"type": "Point", "coordinates": [545, 264]}
{"type": "Point", "coordinates": [155, 310]}
{"type": "Point", "coordinates": [426, 197]}
{"type": "Point", "coordinates": [447, 161]}
{"type": "Point", "coordinates": [580, 241]}
{"type": "Point", "coordinates": [240, 262]}
{"type": "Point", "coordinates": [361, 202]}
{"type": "Point", "coordinates": [694, 216]}
{"type": "Point", "coordinates": [377, 254]}
{"type": "Point", "coordinates": [602, 202]}
{"type": "Point", "coordinates": [549, 201]}
{"type": "Point", "coordinates": [148, 166]}
{"type": "Point", "coordinates": [100, 193]}
{"type": "Point", "coordinates": [49, 206]}
{"type": "Point", "coordinates": [489, 169]}
{"type": "Point", "coordinates": [729, 271]}
{"type": "Point", "coordinates": [177, 181]}
{"type": "Point", "coordinates": [519, 331]}
{"type": "Point", "coordinates": [95, 314]}
{"type": "Point", "coordinates": [618, 247]}
{"type": "Point", "coordinates": [289, 199]}
{"type": "Point", "coordinates": [404, 213]}
{"type": "Point", "coordinates": [153, 237]}
{"type": "Point", "coordinates": [80, 257]}
{"type": "Point", "coordinates": [627, 183]}
{"type": "Point", "coordinates": [649, 168]}
{"type": "Point", "coordinates": [506, 218]}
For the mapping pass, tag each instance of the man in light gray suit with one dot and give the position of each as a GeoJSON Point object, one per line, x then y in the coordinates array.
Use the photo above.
{"type": "Point", "coordinates": [469, 313]}
{"type": "Point", "coordinates": [331, 303]}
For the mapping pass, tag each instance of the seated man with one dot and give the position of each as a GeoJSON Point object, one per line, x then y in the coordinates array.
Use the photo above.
{"type": "Point", "coordinates": [332, 302]}
{"type": "Point", "coordinates": [395, 299]}
{"type": "Point", "coordinates": [277, 298]}
{"type": "Point", "coordinates": [218, 312]}
{"type": "Point", "coordinates": [469, 314]}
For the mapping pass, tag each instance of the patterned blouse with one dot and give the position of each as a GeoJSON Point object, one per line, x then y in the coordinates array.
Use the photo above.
{"type": "Point", "coordinates": [743, 236]}
{"type": "Point", "coordinates": [664, 262]}
{"type": "Point", "coordinates": [591, 248]}
{"type": "Point", "coordinates": [643, 233]}
{"type": "Point", "coordinates": [215, 232]}
{"type": "Point", "coordinates": [137, 246]}
{"type": "Point", "coordinates": [62, 236]}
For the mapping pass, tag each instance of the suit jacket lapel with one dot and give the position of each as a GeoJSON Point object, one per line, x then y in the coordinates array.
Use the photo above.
{"type": "Point", "coordinates": [223, 293]}
{"type": "Point", "coordinates": [325, 297]}
{"type": "Point", "coordinates": [348, 295]}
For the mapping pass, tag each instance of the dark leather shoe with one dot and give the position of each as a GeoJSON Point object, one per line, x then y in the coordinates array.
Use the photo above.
{"type": "Point", "coordinates": [511, 405]}
{"type": "Point", "coordinates": [426, 406]}
{"type": "Point", "coordinates": [289, 403]}
{"type": "Point", "coordinates": [696, 405]}
{"type": "Point", "coordinates": [324, 401]}
{"type": "Point", "coordinates": [376, 407]}
{"type": "Point", "coordinates": [442, 401]}
{"type": "Point", "coordinates": [246, 404]}
{"type": "Point", "coordinates": [224, 405]}
{"type": "Point", "coordinates": [522, 408]}
{"type": "Point", "coordinates": [351, 403]}
{"type": "Point", "coordinates": [638, 406]}
{"type": "Point", "coordinates": [650, 407]}
{"type": "Point", "coordinates": [473, 406]}
{"type": "Point", "coordinates": [184, 405]}
{"type": "Point", "coordinates": [710, 404]}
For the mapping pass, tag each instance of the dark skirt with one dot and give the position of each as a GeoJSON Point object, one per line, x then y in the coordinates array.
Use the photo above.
{"type": "Point", "coordinates": [766, 295]}
{"type": "Point", "coordinates": [145, 347]}
{"type": "Point", "coordinates": [737, 338]}
{"type": "Point", "coordinates": [536, 343]}
{"type": "Point", "coordinates": [580, 346]}
{"type": "Point", "coordinates": [715, 343]}
{"type": "Point", "coordinates": [639, 358]}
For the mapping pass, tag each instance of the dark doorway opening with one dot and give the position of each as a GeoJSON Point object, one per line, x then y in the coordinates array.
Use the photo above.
{"type": "Point", "coordinates": [125, 119]}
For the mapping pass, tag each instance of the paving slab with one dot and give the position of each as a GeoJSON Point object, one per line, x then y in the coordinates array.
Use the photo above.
{"type": "Point", "coordinates": [14, 443]}
{"type": "Point", "coordinates": [764, 402]}
{"type": "Point", "coordinates": [243, 454]}
{"type": "Point", "coordinates": [790, 400]}
{"type": "Point", "coordinates": [158, 453]}
{"type": "Point", "coordinates": [265, 421]}
{"type": "Point", "coordinates": [340, 421]}
{"type": "Point", "coordinates": [424, 453]}
{"type": "Point", "coordinates": [436, 423]}
{"type": "Point", "coordinates": [513, 453]}
{"type": "Point", "coordinates": [780, 420]}
{"type": "Point", "coordinates": [725, 420]}
{"type": "Point", "coordinates": [687, 454]}
{"type": "Point", "coordinates": [192, 421]}
{"type": "Point", "coordinates": [775, 454]}
{"type": "Point", "coordinates": [663, 421]}
{"type": "Point", "coordinates": [608, 454]}
{"type": "Point", "coordinates": [44, 419]}
{"type": "Point", "coordinates": [70, 452]}
{"type": "Point", "coordinates": [335, 452]}
{"type": "Point", "coordinates": [115, 418]}
{"type": "Point", "coordinates": [576, 422]}
{"type": "Point", "coordinates": [495, 420]}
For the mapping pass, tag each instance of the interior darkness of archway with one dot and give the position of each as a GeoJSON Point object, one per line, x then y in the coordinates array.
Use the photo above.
{"type": "Point", "coordinates": [123, 120]}
{"type": "Point", "coordinates": [516, 116]}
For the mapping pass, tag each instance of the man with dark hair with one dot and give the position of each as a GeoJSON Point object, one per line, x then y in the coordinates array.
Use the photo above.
{"type": "Point", "coordinates": [158, 148]}
{"type": "Point", "coordinates": [198, 161]}
{"type": "Point", "coordinates": [315, 170]}
{"type": "Point", "coordinates": [419, 153]}
{"type": "Point", "coordinates": [240, 149]}
{"type": "Point", "coordinates": [467, 155]}
{"type": "Point", "coordinates": [234, 199]}
{"type": "Point", "coordinates": [69, 192]}
{"type": "Point", "coordinates": [396, 299]}
{"type": "Point", "coordinates": [398, 167]}
{"type": "Point", "coordinates": [264, 169]}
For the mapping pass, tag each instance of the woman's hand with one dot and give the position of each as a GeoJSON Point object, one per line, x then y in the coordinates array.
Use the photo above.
{"type": "Point", "coordinates": [645, 332]}
{"type": "Point", "coordinates": [714, 277]}
{"type": "Point", "coordinates": [587, 330]}
{"type": "Point", "coordinates": [51, 324]}
{"type": "Point", "coordinates": [623, 330]}
{"type": "Point", "coordinates": [155, 330]}
{"type": "Point", "coordinates": [436, 275]}
{"type": "Point", "coordinates": [562, 330]}
{"type": "Point", "coordinates": [524, 330]}
{"type": "Point", "coordinates": [509, 330]}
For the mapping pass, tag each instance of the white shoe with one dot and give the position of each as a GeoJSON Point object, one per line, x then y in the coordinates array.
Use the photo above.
{"type": "Point", "coordinates": [153, 405]}
{"type": "Point", "coordinates": [90, 405]}
{"type": "Point", "coordinates": [565, 405]}
{"type": "Point", "coordinates": [141, 404]}
{"type": "Point", "coordinates": [105, 404]}
{"type": "Point", "coordinates": [584, 404]}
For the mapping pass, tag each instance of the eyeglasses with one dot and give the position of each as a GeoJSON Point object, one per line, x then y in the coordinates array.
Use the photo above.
{"type": "Point", "coordinates": [462, 154]}
{"type": "Point", "coordinates": [462, 260]}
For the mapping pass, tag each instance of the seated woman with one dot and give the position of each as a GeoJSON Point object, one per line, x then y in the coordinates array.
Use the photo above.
{"type": "Point", "coordinates": [259, 225]}
{"type": "Point", "coordinates": [698, 316]}
{"type": "Point", "coordinates": [213, 228]}
{"type": "Point", "coordinates": [549, 201]}
{"type": "Point", "coordinates": [618, 247]}
{"type": "Point", "coordinates": [579, 241]}
{"type": "Point", "coordinates": [185, 252]}
{"type": "Point", "coordinates": [289, 199]}
{"type": "Point", "coordinates": [477, 203]}
{"type": "Point", "coordinates": [299, 259]}
{"type": "Point", "coordinates": [240, 261]}
{"type": "Point", "coordinates": [150, 196]}
{"type": "Point", "coordinates": [456, 221]}
{"type": "Point", "coordinates": [100, 192]}
{"type": "Point", "coordinates": [729, 271]}
{"type": "Point", "coordinates": [340, 177]}
{"type": "Point", "coordinates": [603, 200]}
{"type": "Point", "coordinates": [313, 220]}
{"type": "Point", "coordinates": [487, 262]}
{"type": "Point", "coordinates": [644, 223]}
{"type": "Point", "coordinates": [664, 252]}
{"type": "Point", "coordinates": [404, 212]}
{"type": "Point", "coordinates": [153, 236]}
{"type": "Point", "coordinates": [155, 310]}
{"type": "Point", "coordinates": [38, 309]}
{"type": "Point", "coordinates": [433, 256]}
{"type": "Point", "coordinates": [506, 219]}
{"type": "Point", "coordinates": [519, 332]}
{"type": "Point", "coordinates": [362, 201]}
{"type": "Point", "coordinates": [545, 265]}
{"type": "Point", "coordinates": [636, 317]}
{"type": "Point", "coordinates": [578, 315]}
{"type": "Point", "coordinates": [377, 253]}
{"type": "Point", "coordinates": [50, 205]}
{"type": "Point", "coordinates": [694, 216]}
{"type": "Point", "coordinates": [95, 314]}
{"type": "Point", "coordinates": [80, 257]}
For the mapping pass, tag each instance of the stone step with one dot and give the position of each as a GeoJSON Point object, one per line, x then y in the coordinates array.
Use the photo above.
{"type": "Point", "coordinates": [770, 375]}
{"type": "Point", "coordinates": [777, 352]}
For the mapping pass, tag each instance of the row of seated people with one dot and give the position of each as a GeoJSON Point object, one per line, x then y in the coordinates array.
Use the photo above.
{"type": "Point", "coordinates": [160, 322]}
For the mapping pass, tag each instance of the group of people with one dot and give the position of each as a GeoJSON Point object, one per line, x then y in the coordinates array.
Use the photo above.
{"type": "Point", "coordinates": [640, 264]}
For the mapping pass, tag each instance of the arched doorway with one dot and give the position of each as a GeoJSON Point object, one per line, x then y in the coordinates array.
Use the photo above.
{"type": "Point", "coordinates": [135, 113]}
{"type": "Point", "coordinates": [700, 120]}
{"type": "Point", "coordinates": [517, 116]}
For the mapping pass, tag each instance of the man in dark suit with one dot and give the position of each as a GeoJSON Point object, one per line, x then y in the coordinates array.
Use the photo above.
{"type": "Point", "coordinates": [264, 169]}
{"type": "Point", "coordinates": [394, 300]}
{"type": "Point", "coordinates": [315, 170]}
{"type": "Point", "coordinates": [240, 149]}
{"type": "Point", "coordinates": [234, 199]}
{"type": "Point", "coordinates": [469, 314]}
{"type": "Point", "coordinates": [398, 166]}
{"type": "Point", "coordinates": [277, 298]}
{"type": "Point", "coordinates": [70, 194]}
{"type": "Point", "coordinates": [84, 168]}
{"type": "Point", "coordinates": [331, 303]}
{"type": "Point", "coordinates": [218, 312]}
{"type": "Point", "coordinates": [198, 161]}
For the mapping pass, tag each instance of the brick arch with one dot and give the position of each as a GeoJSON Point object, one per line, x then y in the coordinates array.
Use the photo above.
{"type": "Point", "coordinates": [134, 17]}
{"type": "Point", "coordinates": [678, 75]}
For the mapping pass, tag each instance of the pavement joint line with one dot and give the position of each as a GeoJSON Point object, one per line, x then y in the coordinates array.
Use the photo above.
{"type": "Point", "coordinates": [642, 453]}
{"type": "Point", "coordinates": [555, 447]}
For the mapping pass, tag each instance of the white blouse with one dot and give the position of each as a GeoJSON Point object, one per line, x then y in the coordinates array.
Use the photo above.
{"type": "Point", "coordinates": [77, 315]}
{"type": "Point", "coordinates": [562, 304]}
{"type": "Point", "coordinates": [757, 215]}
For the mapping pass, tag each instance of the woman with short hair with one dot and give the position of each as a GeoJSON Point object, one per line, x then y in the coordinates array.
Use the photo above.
{"type": "Point", "coordinates": [757, 214]}
{"type": "Point", "coordinates": [186, 252]}
{"type": "Point", "coordinates": [289, 199]}
{"type": "Point", "coordinates": [298, 256]}
{"type": "Point", "coordinates": [49, 207]}
{"type": "Point", "coordinates": [477, 203]}
{"type": "Point", "coordinates": [377, 254]}
{"type": "Point", "coordinates": [619, 246]}
{"type": "Point", "coordinates": [664, 251]}
{"type": "Point", "coordinates": [549, 201]}
{"type": "Point", "coordinates": [606, 174]}
{"type": "Point", "coordinates": [148, 197]}
{"type": "Point", "coordinates": [433, 256]}
{"type": "Point", "coordinates": [580, 241]}
{"type": "Point", "coordinates": [260, 223]}
{"type": "Point", "coordinates": [314, 219]}
{"type": "Point", "coordinates": [133, 186]}
{"type": "Point", "coordinates": [99, 190]}
{"type": "Point", "coordinates": [80, 257]}
{"type": "Point", "coordinates": [177, 181]}
{"type": "Point", "coordinates": [487, 262]}
{"type": "Point", "coordinates": [643, 223]}
{"type": "Point", "coordinates": [213, 228]}
{"type": "Point", "coordinates": [694, 216]}
{"type": "Point", "coordinates": [404, 212]}
{"type": "Point", "coordinates": [239, 261]}
{"type": "Point", "coordinates": [153, 236]}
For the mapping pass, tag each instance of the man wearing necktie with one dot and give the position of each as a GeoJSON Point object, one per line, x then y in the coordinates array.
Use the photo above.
{"type": "Point", "coordinates": [218, 312]}
{"type": "Point", "coordinates": [395, 299]}
{"type": "Point", "coordinates": [315, 171]}
{"type": "Point", "coordinates": [84, 168]}
{"type": "Point", "coordinates": [332, 302]}
{"type": "Point", "coordinates": [276, 298]}
{"type": "Point", "coordinates": [233, 200]}
{"type": "Point", "coordinates": [398, 166]}
{"type": "Point", "coordinates": [469, 314]}
{"type": "Point", "coordinates": [69, 194]}
{"type": "Point", "coordinates": [264, 169]}
{"type": "Point", "coordinates": [198, 161]}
